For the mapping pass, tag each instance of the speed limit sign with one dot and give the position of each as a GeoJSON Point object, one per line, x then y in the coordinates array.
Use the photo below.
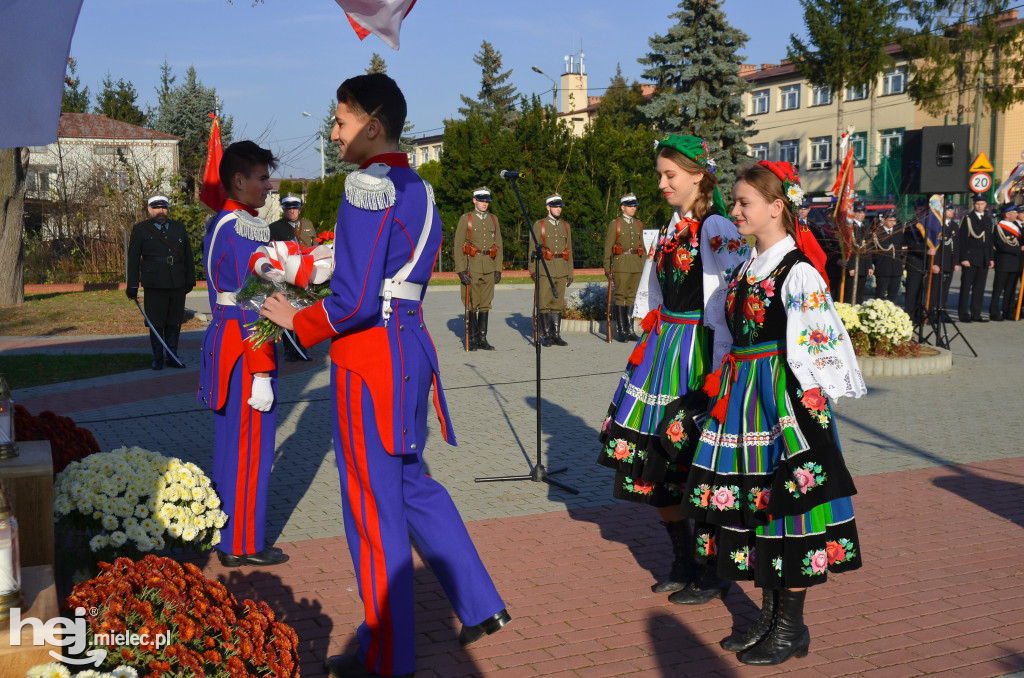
{"type": "Point", "coordinates": [980, 182]}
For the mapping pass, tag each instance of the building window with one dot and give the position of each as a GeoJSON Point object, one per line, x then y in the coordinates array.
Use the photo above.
{"type": "Point", "coordinates": [857, 93]}
{"type": "Point", "coordinates": [821, 152]}
{"type": "Point", "coordinates": [38, 180]}
{"type": "Point", "coordinates": [822, 96]}
{"type": "Point", "coordinates": [759, 102]}
{"type": "Point", "coordinates": [890, 140]}
{"type": "Point", "coordinates": [895, 81]}
{"type": "Point", "coordinates": [110, 150]}
{"type": "Point", "coordinates": [790, 98]}
{"type": "Point", "coordinates": [789, 151]}
{"type": "Point", "coordinates": [759, 151]}
{"type": "Point", "coordinates": [859, 141]}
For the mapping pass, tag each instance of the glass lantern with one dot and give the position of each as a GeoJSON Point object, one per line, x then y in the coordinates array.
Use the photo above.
{"type": "Point", "coordinates": [10, 565]}
{"type": "Point", "coordinates": [8, 448]}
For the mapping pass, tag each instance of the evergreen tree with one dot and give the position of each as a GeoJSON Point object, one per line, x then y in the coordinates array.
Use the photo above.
{"type": "Point", "coordinates": [116, 100]}
{"type": "Point", "coordinates": [377, 64]}
{"type": "Point", "coordinates": [75, 100]}
{"type": "Point", "coordinates": [696, 70]}
{"type": "Point", "coordinates": [495, 96]}
{"type": "Point", "coordinates": [966, 58]}
{"type": "Point", "coordinates": [184, 112]}
{"type": "Point", "coordinates": [621, 104]}
{"type": "Point", "coordinates": [847, 45]}
{"type": "Point", "coordinates": [167, 79]}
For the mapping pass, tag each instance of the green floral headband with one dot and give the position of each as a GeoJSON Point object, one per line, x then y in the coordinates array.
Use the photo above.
{"type": "Point", "coordinates": [696, 149]}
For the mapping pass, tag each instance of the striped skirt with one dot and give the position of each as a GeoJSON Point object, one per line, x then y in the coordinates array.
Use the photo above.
{"type": "Point", "coordinates": [768, 486]}
{"type": "Point", "coordinates": [670, 360]}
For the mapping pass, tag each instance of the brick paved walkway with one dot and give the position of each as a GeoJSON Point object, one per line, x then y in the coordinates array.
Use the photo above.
{"type": "Point", "coordinates": [938, 463]}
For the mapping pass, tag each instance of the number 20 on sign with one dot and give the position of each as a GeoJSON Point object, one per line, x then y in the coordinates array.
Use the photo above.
{"type": "Point", "coordinates": [980, 182]}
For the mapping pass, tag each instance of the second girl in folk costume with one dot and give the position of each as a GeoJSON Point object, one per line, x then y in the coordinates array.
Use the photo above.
{"type": "Point", "coordinates": [696, 252]}
{"type": "Point", "coordinates": [768, 484]}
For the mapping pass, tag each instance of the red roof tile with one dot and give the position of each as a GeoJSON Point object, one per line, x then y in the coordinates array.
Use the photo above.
{"type": "Point", "coordinates": [93, 126]}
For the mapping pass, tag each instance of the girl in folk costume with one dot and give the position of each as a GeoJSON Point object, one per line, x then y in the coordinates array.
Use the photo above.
{"type": "Point", "coordinates": [768, 485]}
{"type": "Point", "coordinates": [683, 285]}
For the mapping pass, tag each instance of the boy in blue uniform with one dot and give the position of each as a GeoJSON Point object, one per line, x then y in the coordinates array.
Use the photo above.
{"type": "Point", "coordinates": [383, 365]}
{"type": "Point", "coordinates": [237, 381]}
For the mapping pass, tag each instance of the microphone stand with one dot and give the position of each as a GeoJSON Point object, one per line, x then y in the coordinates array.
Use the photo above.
{"type": "Point", "coordinates": [538, 473]}
{"type": "Point", "coordinates": [940, 318]}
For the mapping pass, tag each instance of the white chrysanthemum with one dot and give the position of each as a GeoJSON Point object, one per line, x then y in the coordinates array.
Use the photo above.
{"type": "Point", "coordinates": [149, 526]}
{"type": "Point", "coordinates": [196, 507]}
{"type": "Point", "coordinates": [124, 672]}
{"type": "Point", "coordinates": [109, 522]}
{"type": "Point", "coordinates": [220, 520]}
{"type": "Point", "coordinates": [174, 529]}
{"type": "Point", "coordinates": [90, 673]}
{"type": "Point", "coordinates": [216, 538]}
{"type": "Point", "coordinates": [52, 670]}
{"type": "Point", "coordinates": [63, 505]}
{"type": "Point", "coordinates": [144, 544]}
{"type": "Point", "coordinates": [98, 542]}
{"type": "Point", "coordinates": [118, 538]}
{"type": "Point", "coordinates": [212, 501]}
{"type": "Point", "coordinates": [189, 533]}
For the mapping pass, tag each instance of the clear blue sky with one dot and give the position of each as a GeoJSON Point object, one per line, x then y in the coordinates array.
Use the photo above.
{"type": "Point", "coordinates": [271, 62]}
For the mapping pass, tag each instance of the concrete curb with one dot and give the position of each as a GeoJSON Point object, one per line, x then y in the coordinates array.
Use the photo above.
{"type": "Point", "coordinates": [871, 366]}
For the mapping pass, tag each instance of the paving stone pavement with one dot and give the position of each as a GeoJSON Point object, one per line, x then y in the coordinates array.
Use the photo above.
{"type": "Point", "coordinates": [575, 568]}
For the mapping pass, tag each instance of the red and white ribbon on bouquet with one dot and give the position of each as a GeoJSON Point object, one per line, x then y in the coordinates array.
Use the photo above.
{"type": "Point", "coordinates": [286, 261]}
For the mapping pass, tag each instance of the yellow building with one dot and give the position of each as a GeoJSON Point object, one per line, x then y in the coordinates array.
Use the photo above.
{"type": "Point", "coordinates": [797, 123]}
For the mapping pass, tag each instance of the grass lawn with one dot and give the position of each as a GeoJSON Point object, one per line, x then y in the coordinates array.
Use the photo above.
{"type": "Point", "coordinates": [70, 313]}
{"type": "Point", "coordinates": [36, 369]}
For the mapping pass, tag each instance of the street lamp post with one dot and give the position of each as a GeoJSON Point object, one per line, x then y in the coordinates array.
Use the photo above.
{"type": "Point", "coordinates": [320, 133]}
{"type": "Point", "coordinates": [554, 86]}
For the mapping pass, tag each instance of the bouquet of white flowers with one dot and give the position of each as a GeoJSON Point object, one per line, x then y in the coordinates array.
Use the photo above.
{"type": "Point", "coordinates": [55, 670]}
{"type": "Point", "coordinates": [133, 501]}
{"type": "Point", "coordinates": [884, 322]}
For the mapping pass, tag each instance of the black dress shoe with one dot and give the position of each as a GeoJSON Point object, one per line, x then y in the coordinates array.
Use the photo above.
{"type": "Point", "coordinates": [156, 364]}
{"type": "Point", "coordinates": [995, 318]}
{"type": "Point", "coordinates": [702, 590]}
{"type": "Point", "coordinates": [348, 666]}
{"type": "Point", "coordinates": [979, 319]}
{"type": "Point", "coordinates": [471, 634]}
{"type": "Point", "coordinates": [169, 362]}
{"type": "Point", "coordinates": [965, 319]}
{"type": "Point", "coordinates": [268, 556]}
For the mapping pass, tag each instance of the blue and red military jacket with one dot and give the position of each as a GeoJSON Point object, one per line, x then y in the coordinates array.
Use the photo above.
{"type": "Point", "coordinates": [379, 224]}
{"type": "Point", "coordinates": [235, 232]}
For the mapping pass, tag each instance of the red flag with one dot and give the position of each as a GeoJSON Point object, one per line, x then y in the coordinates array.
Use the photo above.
{"type": "Point", "coordinates": [383, 18]}
{"type": "Point", "coordinates": [844, 194]}
{"type": "Point", "coordinates": [213, 193]}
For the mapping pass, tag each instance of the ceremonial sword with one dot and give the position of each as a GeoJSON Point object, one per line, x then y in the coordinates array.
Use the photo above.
{"type": "Point", "coordinates": [156, 334]}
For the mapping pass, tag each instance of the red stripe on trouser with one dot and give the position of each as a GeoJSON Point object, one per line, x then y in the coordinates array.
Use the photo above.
{"type": "Point", "coordinates": [373, 581]}
{"type": "Point", "coordinates": [242, 517]}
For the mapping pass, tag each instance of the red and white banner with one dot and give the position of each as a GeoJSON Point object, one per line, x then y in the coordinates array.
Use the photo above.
{"type": "Point", "coordinates": [212, 194]}
{"type": "Point", "coordinates": [844, 194]}
{"type": "Point", "coordinates": [383, 18]}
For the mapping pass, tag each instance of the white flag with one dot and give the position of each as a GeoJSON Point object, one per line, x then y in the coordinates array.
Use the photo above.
{"type": "Point", "coordinates": [383, 18]}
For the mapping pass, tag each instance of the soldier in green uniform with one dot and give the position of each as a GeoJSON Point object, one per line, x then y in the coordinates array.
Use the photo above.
{"type": "Point", "coordinates": [159, 248]}
{"type": "Point", "coordinates": [624, 258]}
{"type": "Point", "coordinates": [478, 257]}
{"type": "Point", "coordinates": [292, 226]}
{"type": "Point", "coordinates": [556, 243]}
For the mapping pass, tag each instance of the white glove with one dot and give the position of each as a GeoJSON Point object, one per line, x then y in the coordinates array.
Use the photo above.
{"type": "Point", "coordinates": [262, 394]}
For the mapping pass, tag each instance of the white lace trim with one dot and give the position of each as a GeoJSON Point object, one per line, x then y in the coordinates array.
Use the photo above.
{"type": "Point", "coordinates": [755, 438]}
{"type": "Point", "coordinates": [251, 227]}
{"type": "Point", "coordinates": [370, 189]}
{"type": "Point", "coordinates": [648, 398]}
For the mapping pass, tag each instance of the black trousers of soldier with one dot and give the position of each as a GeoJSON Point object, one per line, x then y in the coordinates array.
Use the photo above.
{"type": "Point", "coordinates": [940, 291]}
{"type": "Point", "coordinates": [848, 297]}
{"type": "Point", "coordinates": [1004, 297]}
{"type": "Point", "coordinates": [887, 287]}
{"type": "Point", "coordinates": [972, 291]}
{"type": "Point", "coordinates": [914, 303]}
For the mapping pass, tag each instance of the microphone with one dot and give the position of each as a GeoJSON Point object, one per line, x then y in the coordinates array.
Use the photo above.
{"type": "Point", "coordinates": [509, 175]}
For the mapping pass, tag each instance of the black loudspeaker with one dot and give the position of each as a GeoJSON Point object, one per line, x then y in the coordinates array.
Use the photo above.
{"type": "Point", "coordinates": [936, 160]}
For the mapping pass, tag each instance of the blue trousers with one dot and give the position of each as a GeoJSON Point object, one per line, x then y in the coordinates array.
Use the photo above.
{"type": "Point", "coordinates": [243, 453]}
{"type": "Point", "coordinates": [385, 498]}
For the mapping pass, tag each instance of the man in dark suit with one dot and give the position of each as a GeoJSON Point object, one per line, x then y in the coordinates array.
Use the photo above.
{"type": "Point", "coordinates": [975, 246]}
{"type": "Point", "coordinates": [159, 247]}
{"type": "Point", "coordinates": [888, 241]}
{"type": "Point", "coordinates": [1009, 250]}
{"type": "Point", "coordinates": [946, 260]}
{"type": "Point", "coordinates": [915, 244]}
{"type": "Point", "coordinates": [858, 266]}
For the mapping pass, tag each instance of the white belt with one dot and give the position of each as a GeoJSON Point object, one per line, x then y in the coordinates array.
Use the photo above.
{"type": "Point", "coordinates": [227, 299]}
{"type": "Point", "coordinates": [398, 289]}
